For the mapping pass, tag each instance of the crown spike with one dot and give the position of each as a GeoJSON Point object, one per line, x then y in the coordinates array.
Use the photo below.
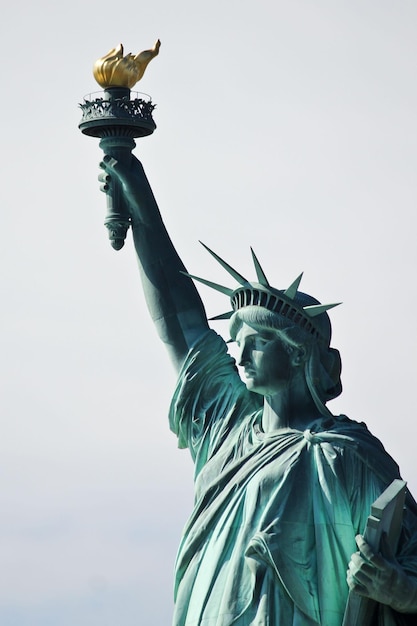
{"type": "Point", "coordinates": [259, 271]}
{"type": "Point", "coordinates": [315, 309]}
{"type": "Point", "coordinates": [222, 316]}
{"type": "Point", "coordinates": [292, 289]}
{"type": "Point", "coordinates": [208, 283]}
{"type": "Point", "coordinates": [240, 279]}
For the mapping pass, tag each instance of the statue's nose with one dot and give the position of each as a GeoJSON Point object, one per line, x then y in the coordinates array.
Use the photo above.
{"type": "Point", "coordinates": [243, 356]}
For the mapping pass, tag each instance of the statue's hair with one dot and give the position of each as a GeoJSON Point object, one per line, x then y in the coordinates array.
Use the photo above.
{"type": "Point", "coordinates": [322, 365]}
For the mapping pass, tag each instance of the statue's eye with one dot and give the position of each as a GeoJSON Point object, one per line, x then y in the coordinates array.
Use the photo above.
{"type": "Point", "coordinates": [261, 342]}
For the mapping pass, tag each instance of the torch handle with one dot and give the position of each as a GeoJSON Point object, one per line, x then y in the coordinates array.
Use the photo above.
{"type": "Point", "coordinates": [117, 218]}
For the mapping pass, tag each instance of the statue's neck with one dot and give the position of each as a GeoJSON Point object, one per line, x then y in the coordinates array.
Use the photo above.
{"type": "Point", "coordinates": [282, 411]}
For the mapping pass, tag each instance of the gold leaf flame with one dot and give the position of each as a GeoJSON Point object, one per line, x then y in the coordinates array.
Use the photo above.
{"type": "Point", "coordinates": [116, 70]}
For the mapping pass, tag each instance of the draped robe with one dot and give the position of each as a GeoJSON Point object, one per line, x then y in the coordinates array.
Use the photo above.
{"type": "Point", "coordinates": [276, 514]}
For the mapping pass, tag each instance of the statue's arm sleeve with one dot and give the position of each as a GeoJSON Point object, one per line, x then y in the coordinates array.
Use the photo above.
{"type": "Point", "coordinates": [209, 399]}
{"type": "Point", "coordinates": [172, 299]}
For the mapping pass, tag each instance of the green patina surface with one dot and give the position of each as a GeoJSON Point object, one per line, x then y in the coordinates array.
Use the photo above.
{"type": "Point", "coordinates": [281, 485]}
{"type": "Point", "coordinates": [276, 514]}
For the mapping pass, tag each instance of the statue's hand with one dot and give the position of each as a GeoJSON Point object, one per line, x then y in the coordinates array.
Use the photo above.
{"type": "Point", "coordinates": [137, 193]}
{"type": "Point", "coordinates": [104, 178]}
{"type": "Point", "coordinates": [381, 579]}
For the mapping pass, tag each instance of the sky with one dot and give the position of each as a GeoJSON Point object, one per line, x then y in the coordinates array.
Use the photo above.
{"type": "Point", "coordinates": [286, 125]}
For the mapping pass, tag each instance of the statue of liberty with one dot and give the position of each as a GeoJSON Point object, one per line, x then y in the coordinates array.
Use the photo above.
{"type": "Point", "coordinates": [283, 487]}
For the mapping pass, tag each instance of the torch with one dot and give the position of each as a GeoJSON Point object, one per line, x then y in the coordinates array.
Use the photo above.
{"type": "Point", "coordinates": [117, 116]}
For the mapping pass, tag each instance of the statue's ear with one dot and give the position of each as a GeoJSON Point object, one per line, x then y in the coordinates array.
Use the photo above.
{"type": "Point", "coordinates": [298, 356]}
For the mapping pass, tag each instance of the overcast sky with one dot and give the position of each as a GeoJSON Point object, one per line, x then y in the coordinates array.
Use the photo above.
{"type": "Point", "coordinates": [287, 125]}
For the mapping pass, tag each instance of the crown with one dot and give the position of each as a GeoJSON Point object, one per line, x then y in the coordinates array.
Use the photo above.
{"type": "Point", "coordinates": [287, 303]}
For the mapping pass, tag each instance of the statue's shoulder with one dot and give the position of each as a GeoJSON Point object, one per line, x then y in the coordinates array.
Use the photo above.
{"type": "Point", "coordinates": [344, 432]}
{"type": "Point", "coordinates": [207, 352]}
{"type": "Point", "coordinates": [209, 343]}
{"type": "Point", "coordinates": [343, 423]}
{"type": "Point", "coordinates": [357, 438]}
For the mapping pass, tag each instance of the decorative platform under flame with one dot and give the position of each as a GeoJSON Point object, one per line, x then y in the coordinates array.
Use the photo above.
{"type": "Point", "coordinates": [117, 111]}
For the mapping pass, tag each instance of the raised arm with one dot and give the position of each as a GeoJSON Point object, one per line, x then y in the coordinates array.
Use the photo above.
{"type": "Point", "coordinates": [172, 298]}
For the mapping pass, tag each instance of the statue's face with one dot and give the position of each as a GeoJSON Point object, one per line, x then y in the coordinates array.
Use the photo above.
{"type": "Point", "coordinates": [264, 359]}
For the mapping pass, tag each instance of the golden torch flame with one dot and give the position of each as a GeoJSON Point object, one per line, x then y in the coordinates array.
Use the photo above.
{"type": "Point", "coordinates": [115, 70]}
